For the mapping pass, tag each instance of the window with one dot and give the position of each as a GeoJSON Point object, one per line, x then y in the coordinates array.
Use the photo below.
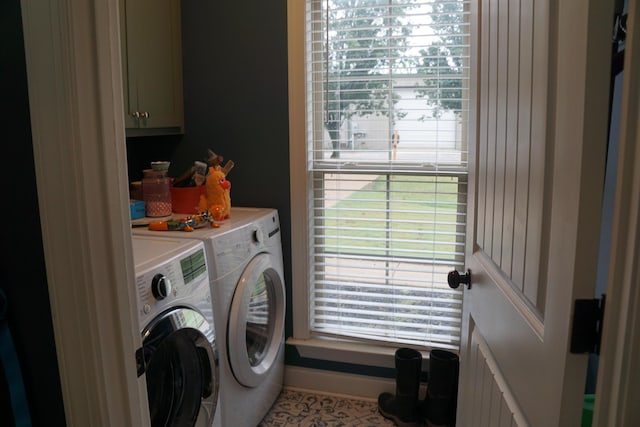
{"type": "Point", "coordinates": [383, 172]}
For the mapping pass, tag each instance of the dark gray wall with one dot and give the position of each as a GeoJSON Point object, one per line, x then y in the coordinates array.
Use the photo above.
{"type": "Point", "coordinates": [236, 102]}
{"type": "Point", "coordinates": [22, 272]}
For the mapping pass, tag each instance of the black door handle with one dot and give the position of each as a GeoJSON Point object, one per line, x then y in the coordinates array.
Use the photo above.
{"type": "Point", "coordinates": [454, 278]}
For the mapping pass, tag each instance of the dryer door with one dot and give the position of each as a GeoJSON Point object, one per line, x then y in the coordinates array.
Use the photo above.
{"type": "Point", "coordinates": [181, 366]}
{"type": "Point", "coordinates": [256, 321]}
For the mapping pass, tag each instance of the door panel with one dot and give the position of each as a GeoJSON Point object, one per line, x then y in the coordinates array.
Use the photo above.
{"type": "Point", "coordinates": [536, 173]}
{"type": "Point", "coordinates": [540, 150]}
{"type": "Point", "coordinates": [512, 174]}
{"type": "Point", "coordinates": [519, 119]}
{"type": "Point", "coordinates": [493, 405]}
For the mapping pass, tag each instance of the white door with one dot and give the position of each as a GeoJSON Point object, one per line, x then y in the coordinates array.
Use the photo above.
{"type": "Point", "coordinates": [536, 177]}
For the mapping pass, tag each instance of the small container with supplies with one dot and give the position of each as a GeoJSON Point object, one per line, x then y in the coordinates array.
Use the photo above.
{"type": "Point", "coordinates": [186, 200]}
{"type": "Point", "coordinates": [156, 193]}
{"type": "Point", "coordinates": [136, 208]}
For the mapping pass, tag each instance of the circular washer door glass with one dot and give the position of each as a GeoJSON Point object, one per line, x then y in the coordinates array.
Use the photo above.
{"type": "Point", "coordinates": [259, 324]}
{"type": "Point", "coordinates": [180, 372]}
{"type": "Point", "coordinates": [256, 321]}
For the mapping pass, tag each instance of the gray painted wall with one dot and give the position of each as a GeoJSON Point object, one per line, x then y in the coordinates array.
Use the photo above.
{"type": "Point", "coordinates": [236, 102]}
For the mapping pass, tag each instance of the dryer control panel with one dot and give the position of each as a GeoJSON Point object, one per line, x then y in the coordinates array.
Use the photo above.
{"type": "Point", "coordinates": [235, 247]}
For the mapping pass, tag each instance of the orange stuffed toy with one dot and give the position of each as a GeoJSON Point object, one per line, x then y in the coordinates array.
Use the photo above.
{"type": "Point", "coordinates": [217, 197]}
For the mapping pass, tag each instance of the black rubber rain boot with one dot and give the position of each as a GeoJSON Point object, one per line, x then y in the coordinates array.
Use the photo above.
{"type": "Point", "coordinates": [403, 408]}
{"type": "Point", "coordinates": [439, 407]}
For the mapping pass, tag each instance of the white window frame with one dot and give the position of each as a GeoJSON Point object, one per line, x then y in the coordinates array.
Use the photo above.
{"type": "Point", "coordinates": [300, 187]}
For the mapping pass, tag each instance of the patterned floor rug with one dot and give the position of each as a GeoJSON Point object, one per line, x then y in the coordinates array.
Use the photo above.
{"type": "Point", "coordinates": [299, 409]}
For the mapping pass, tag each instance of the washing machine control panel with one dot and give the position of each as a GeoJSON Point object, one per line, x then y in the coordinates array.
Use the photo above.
{"type": "Point", "coordinates": [168, 284]}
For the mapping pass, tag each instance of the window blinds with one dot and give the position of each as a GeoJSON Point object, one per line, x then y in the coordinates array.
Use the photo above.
{"type": "Point", "coordinates": [387, 86]}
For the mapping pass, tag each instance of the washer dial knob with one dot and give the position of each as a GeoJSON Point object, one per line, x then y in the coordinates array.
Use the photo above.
{"type": "Point", "coordinates": [160, 286]}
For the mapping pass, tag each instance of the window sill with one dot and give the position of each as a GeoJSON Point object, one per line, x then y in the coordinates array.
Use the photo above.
{"type": "Point", "coordinates": [348, 352]}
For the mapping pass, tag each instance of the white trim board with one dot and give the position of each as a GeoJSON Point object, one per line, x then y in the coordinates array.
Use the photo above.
{"type": "Point", "coordinates": [72, 50]}
{"type": "Point", "coordinates": [618, 376]}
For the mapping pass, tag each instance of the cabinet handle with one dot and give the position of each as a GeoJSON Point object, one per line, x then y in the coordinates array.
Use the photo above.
{"type": "Point", "coordinates": [144, 115]}
{"type": "Point", "coordinates": [135, 115]}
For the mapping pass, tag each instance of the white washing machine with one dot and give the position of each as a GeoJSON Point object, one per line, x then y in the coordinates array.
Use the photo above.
{"type": "Point", "coordinates": [179, 354]}
{"type": "Point", "coordinates": [247, 284]}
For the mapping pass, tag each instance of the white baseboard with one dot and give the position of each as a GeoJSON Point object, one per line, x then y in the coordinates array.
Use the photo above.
{"type": "Point", "coordinates": [337, 383]}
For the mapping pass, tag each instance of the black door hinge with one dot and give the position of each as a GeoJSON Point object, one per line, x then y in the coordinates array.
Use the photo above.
{"type": "Point", "coordinates": [588, 315]}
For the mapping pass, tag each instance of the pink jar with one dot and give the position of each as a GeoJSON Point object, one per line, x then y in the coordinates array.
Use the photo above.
{"type": "Point", "coordinates": [156, 193]}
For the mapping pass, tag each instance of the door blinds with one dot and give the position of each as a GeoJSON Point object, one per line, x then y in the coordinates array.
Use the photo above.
{"type": "Point", "coordinates": [387, 84]}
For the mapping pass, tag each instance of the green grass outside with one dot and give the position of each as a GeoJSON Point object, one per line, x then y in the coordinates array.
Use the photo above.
{"type": "Point", "coordinates": [420, 222]}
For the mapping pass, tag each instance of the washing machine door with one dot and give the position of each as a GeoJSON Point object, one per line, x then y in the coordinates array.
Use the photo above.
{"type": "Point", "coordinates": [256, 321]}
{"type": "Point", "coordinates": [181, 368]}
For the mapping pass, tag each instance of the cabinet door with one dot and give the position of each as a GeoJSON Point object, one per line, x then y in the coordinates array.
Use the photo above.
{"type": "Point", "coordinates": [153, 59]}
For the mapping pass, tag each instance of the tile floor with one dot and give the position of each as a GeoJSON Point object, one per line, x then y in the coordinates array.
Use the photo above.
{"type": "Point", "coordinates": [295, 408]}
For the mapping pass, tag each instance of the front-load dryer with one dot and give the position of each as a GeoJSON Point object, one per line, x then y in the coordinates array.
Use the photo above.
{"type": "Point", "coordinates": [179, 354]}
{"type": "Point", "coordinates": [247, 284]}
